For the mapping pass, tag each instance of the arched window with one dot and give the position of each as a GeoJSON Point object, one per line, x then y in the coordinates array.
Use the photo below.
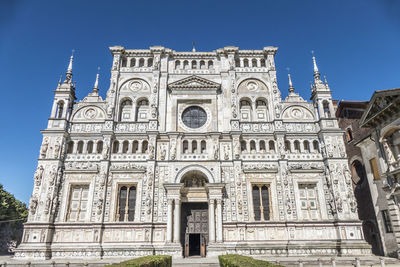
{"type": "Point", "coordinates": [150, 62]}
{"type": "Point", "coordinates": [133, 62]}
{"type": "Point", "coordinates": [306, 146]}
{"type": "Point", "coordinates": [349, 135]}
{"type": "Point", "coordinates": [202, 64]}
{"type": "Point", "coordinates": [124, 62]}
{"type": "Point", "coordinates": [262, 145]}
{"type": "Point", "coordinates": [316, 146]}
{"type": "Point", "coordinates": [185, 146]}
{"type": "Point", "coordinates": [145, 146]}
{"type": "Point", "coordinates": [287, 146]}
{"type": "Point", "coordinates": [70, 148]}
{"type": "Point", "coordinates": [177, 65]}
{"type": "Point", "coordinates": [262, 61]}
{"type": "Point", "coordinates": [243, 146]}
{"type": "Point", "coordinates": [296, 146]}
{"type": "Point", "coordinates": [126, 203]}
{"type": "Point", "coordinates": [261, 103]}
{"type": "Point", "coordinates": [125, 110]}
{"type": "Point", "coordinates": [245, 103]}
{"type": "Point", "coordinates": [261, 207]}
{"type": "Point", "coordinates": [246, 63]}
{"type": "Point", "coordinates": [210, 64]}
{"type": "Point", "coordinates": [252, 146]}
{"type": "Point", "coordinates": [254, 63]}
{"type": "Point", "coordinates": [125, 146]}
{"type": "Point", "coordinates": [80, 147]}
{"type": "Point", "coordinates": [142, 108]}
{"type": "Point", "coordinates": [90, 147]}
{"type": "Point", "coordinates": [141, 62]}
{"type": "Point", "coordinates": [194, 146]}
{"type": "Point", "coordinates": [186, 65]}
{"type": "Point", "coordinates": [60, 109]}
{"type": "Point", "coordinates": [237, 63]}
{"type": "Point", "coordinates": [99, 147]}
{"type": "Point", "coordinates": [135, 146]}
{"type": "Point", "coordinates": [194, 64]}
{"type": "Point", "coordinates": [327, 111]}
{"type": "Point", "coordinates": [271, 145]}
{"type": "Point", "coordinates": [115, 146]}
{"type": "Point", "coordinates": [203, 146]}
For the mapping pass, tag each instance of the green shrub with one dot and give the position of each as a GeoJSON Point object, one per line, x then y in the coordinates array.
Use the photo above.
{"type": "Point", "coordinates": [148, 261]}
{"type": "Point", "coordinates": [234, 260]}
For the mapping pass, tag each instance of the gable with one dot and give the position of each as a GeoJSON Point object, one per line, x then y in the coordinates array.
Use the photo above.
{"type": "Point", "coordinates": [194, 83]}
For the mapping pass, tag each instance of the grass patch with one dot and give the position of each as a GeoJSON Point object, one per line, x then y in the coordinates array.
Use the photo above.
{"type": "Point", "coordinates": [235, 260]}
{"type": "Point", "coordinates": [147, 261]}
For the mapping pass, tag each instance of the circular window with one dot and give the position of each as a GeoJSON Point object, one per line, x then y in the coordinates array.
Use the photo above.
{"type": "Point", "coordinates": [194, 117]}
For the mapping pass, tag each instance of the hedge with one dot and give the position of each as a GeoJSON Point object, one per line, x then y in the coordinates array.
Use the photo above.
{"type": "Point", "coordinates": [234, 260]}
{"type": "Point", "coordinates": [148, 261]}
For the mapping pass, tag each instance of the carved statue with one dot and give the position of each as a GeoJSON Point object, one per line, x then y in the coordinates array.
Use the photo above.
{"type": "Point", "coordinates": [339, 203]}
{"type": "Point", "coordinates": [43, 149]}
{"type": "Point", "coordinates": [106, 150]}
{"type": "Point", "coordinates": [99, 206]}
{"type": "Point", "coordinates": [388, 151]}
{"type": "Point", "coordinates": [173, 150]}
{"type": "Point", "coordinates": [216, 151]}
{"type": "Point", "coordinates": [226, 153]}
{"type": "Point", "coordinates": [33, 204]}
{"type": "Point", "coordinates": [53, 176]}
{"type": "Point", "coordinates": [236, 150]}
{"type": "Point", "coordinates": [151, 151]}
{"type": "Point", "coordinates": [39, 175]}
{"type": "Point", "coordinates": [47, 205]}
{"type": "Point", "coordinates": [163, 153]}
{"type": "Point", "coordinates": [57, 149]}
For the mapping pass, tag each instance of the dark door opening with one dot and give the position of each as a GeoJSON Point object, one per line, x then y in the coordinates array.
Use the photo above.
{"type": "Point", "coordinates": [194, 244]}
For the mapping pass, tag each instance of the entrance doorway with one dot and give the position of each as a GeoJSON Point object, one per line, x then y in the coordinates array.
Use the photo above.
{"type": "Point", "coordinates": [194, 233]}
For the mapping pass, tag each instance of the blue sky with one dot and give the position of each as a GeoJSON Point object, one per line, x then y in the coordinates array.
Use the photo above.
{"type": "Point", "coordinates": [356, 44]}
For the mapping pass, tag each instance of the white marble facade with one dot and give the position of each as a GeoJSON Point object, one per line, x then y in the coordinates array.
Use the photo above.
{"type": "Point", "coordinates": [187, 127]}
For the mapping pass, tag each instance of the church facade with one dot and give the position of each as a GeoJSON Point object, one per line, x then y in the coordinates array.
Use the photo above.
{"type": "Point", "coordinates": [192, 153]}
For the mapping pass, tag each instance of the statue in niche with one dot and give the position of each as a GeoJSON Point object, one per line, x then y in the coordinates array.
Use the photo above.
{"type": "Point", "coordinates": [48, 204]}
{"type": "Point", "coordinates": [163, 153]}
{"type": "Point", "coordinates": [216, 151]}
{"type": "Point", "coordinates": [173, 150]}
{"type": "Point", "coordinates": [43, 149]}
{"type": "Point", "coordinates": [106, 150]}
{"type": "Point", "coordinates": [38, 175]}
{"type": "Point", "coordinates": [157, 62]}
{"type": "Point", "coordinates": [57, 148]}
{"type": "Point", "coordinates": [226, 153]}
{"type": "Point", "coordinates": [388, 151]}
{"type": "Point", "coordinates": [151, 151]}
{"type": "Point", "coordinates": [33, 204]}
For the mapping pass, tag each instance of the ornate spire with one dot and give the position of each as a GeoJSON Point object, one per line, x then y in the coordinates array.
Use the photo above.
{"type": "Point", "coordinates": [69, 70]}
{"type": "Point", "coordinates": [291, 88]}
{"type": "Point", "coordinates": [326, 82]}
{"type": "Point", "coordinates": [316, 71]}
{"type": "Point", "coordinates": [96, 83]}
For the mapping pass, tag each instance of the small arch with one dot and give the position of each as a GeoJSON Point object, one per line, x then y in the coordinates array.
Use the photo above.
{"type": "Point", "coordinates": [194, 146]}
{"type": "Point", "coordinates": [210, 64]}
{"type": "Point", "coordinates": [124, 62]}
{"type": "Point", "coordinates": [252, 146]}
{"type": "Point", "coordinates": [243, 146]}
{"type": "Point", "coordinates": [287, 146]}
{"type": "Point", "coordinates": [80, 147]}
{"type": "Point", "coordinates": [142, 108]}
{"type": "Point", "coordinates": [145, 146]}
{"type": "Point", "coordinates": [89, 148]}
{"type": "Point", "coordinates": [262, 146]}
{"type": "Point", "coordinates": [60, 109]}
{"type": "Point", "coordinates": [115, 146]}
{"type": "Point", "coordinates": [246, 63]}
{"type": "Point", "coordinates": [271, 145]}
{"type": "Point", "coordinates": [306, 145]}
{"type": "Point", "coordinates": [198, 169]}
{"type": "Point", "coordinates": [349, 135]}
{"type": "Point", "coordinates": [194, 64]}
{"type": "Point", "coordinates": [316, 146]}
{"type": "Point", "coordinates": [202, 64]}
{"type": "Point", "coordinates": [185, 146]}
{"type": "Point", "coordinates": [70, 147]}
{"type": "Point", "coordinates": [262, 63]}
{"type": "Point", "coordinates": [245, 102]}
{"type": "Point", "coordinates": [177, 64]}
{"type": "Point", "coordinates": [135, 146]}
{"type": "Point", "coordinates": [99, 147]}
{"type": "Point", "coordinates": [297, 146]}
{"type": "Point", "coordinates": [186, 65]}
{"type": "Point", "coordinates": [327, 111]}
{"type": "Point", "coordinates": [141, 62]}
{"type": "Point", "coordinates": [203, 146]}
{"type": "Point", "coordinates": [254, 62]}
{"type": "Point", "coordinates": [125, 147]}
{"type": "Point", "coordinates": [150, 62]}
{"type": "Point", "coordinates": [133, 62]}
{"type": "Point", "coordinates": [237, 63]}
{"type": "Point", "coordinates": [261, 103]}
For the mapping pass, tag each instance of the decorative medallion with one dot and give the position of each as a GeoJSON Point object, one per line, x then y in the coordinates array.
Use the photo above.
{"type": "Point", "coordinates": [135, 85]}
{"type": "Point", "coordinates": [90, 113]}
{"type": "Point", "coordinates": [252, 86]}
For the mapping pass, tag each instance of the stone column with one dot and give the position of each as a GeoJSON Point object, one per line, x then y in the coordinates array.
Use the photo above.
{"type": "Point", "coordinates": [219, 220]}
{"type": "Point", "coordinates": [177, 220]}
{"type": "Point", "coordinates": [169, 221]}
{"type": "Point", "coordinates": [211, 223]}
{"type": "Point", "coordinates": [130, 146]}
{"type": "Point", "coordinates": [84, 150]}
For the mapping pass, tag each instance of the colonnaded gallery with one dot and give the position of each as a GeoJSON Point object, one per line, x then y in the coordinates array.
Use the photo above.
{"type": "Point", "coordinates": [192, 153]}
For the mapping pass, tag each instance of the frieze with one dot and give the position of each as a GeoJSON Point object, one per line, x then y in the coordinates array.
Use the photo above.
{"type": "Point", "coordinates": [256, 127]}
{"type": "Point", "coordinates": [127, 167]}
{"type": "Point", "coordinates": [81, 166]}
{"type": "Point", "coordinates": [260, 167]}
{"type": "Point", "coordinates": [86, 128]}
{"type": "Point", "coordinates": [131, 127]}
{"type": "Point", "coordinates": [306, 166]}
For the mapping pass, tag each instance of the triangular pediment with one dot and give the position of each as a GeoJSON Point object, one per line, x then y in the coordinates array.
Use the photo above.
{"type": "Point", "coordinates": [194, 83]}
{"type": "Point", "coordinates": [381, 102]}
